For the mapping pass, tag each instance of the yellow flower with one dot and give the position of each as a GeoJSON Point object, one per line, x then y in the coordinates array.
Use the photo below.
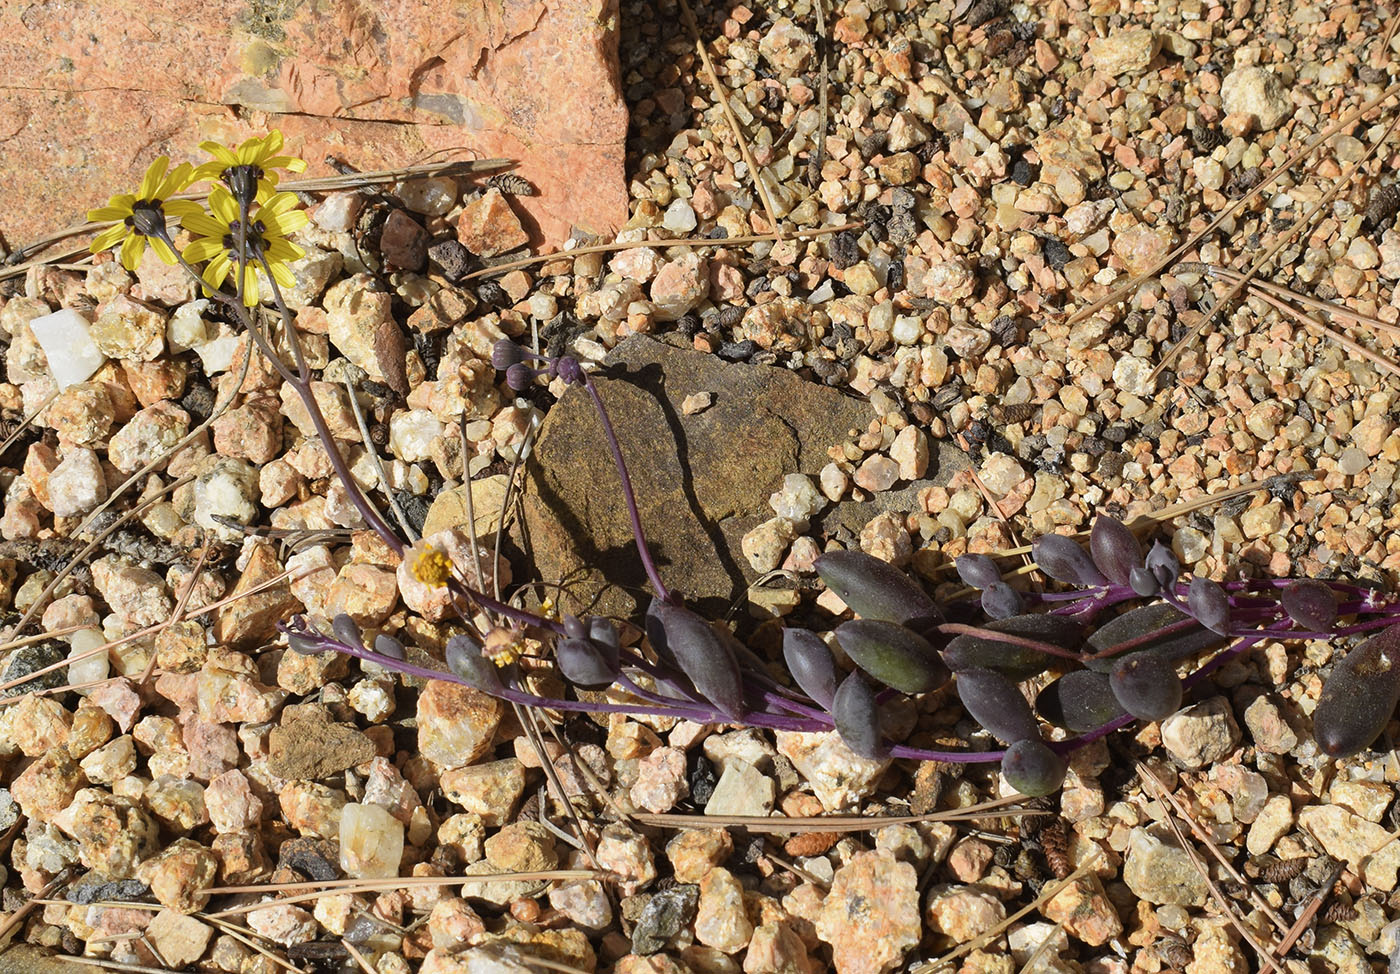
{"type": "Point", "coordinates": [266, 236]}
{"type": "Point", "coordinates": [429, 564]}
{"type": "Point", "coordinates": [247, 169]}
{"type": "Point", "coordinates": [141, 215]}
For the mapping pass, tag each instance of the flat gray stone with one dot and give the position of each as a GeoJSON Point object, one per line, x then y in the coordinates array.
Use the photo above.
{"type": "Point", "coordinates": [701, 480]}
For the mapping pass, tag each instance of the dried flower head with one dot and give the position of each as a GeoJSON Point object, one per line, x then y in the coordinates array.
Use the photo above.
{"type": "Point", "coordinates": [429, 564]}
{"type": "Point", "coordinates": [503, 646]}
{"type": "Point", "coordinates": [142, 215]}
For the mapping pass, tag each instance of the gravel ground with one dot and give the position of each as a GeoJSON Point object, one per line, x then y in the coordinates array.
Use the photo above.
{"type": "Point", "coordinates": [996, 167]}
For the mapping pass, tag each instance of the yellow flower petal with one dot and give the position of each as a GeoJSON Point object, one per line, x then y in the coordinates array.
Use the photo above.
{"type": "Point", "coordinates": [151, 181]}
{"type": "Point", "coordinates": [163, 251]}
{"type": "Point", "coordinates": [217, 270]}
{"type": "Point", "coordinates": [284, 251]}
{"type": "Point", "coordinates": [204, 226]}
{"type": "Point", "coordinates": [203, 249]}
{"type": "Point", "coordinates": [283, 276]}
{"type": "Point", "coordinates": [132, 249]}
{"type": "Point", "coordinates": [279, 203]}
{"type": "Point", "coordinates": [223, 205]}
{"type": "Point", "coordinates": [108, 238]}
{"type": "Point", "coordinates": [221, 153]}
{"type": "Point", "coordinates": [289, 163]}
{"type": "Point", "coordinates": [183, 209]}
{"type": "Point", "coordinates": [251, 295]}
{"type": "Point", "coordinates": [177, 180]}
{"type": "Point", "coordinates": [104, 213]}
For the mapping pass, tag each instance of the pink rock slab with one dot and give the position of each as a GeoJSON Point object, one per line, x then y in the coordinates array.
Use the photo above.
{"type": "Point", "coordinates": [95, 91]}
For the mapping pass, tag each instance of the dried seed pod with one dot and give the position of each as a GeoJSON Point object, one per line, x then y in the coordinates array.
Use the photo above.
{"type": "Point", "coordinates": [1210, 604]}
{"type": "Point", "coordinates": [875, 589]}
{"type": "Point", "coordinates": [896, 656]}
{"type": "Point", "coordinates": [1278, 871]}
{"type": "Point", "coordinates": [1339, 911]}
{"type": "Point", "coordinates": [1382, 207]}
{"type": "Point", "coordinates": [1016, 662]}
{"type": "Point", "coordinates": [1115, 549]}
{"type": "Point", "coordinates": [511, 184]}
{"type": "Point", "coordinates": [1359, 696]}
{"type": "Point", "coordinates": [466, 662]}
{"type": "Point", "coordinates": [811, 664]}
{"type": "Point", "coordinates": [1065, 561]}
{"type": "Point", "coordinates": [1054, 842]}
{"type": "Point", "coordinates": [684, 638]}
{"type": "Point", "coordinates": [1033, 768]}
{"type": "Point", "coordinates": [1079, 701]}
{"type": "Point", "coordinates": [854, 711]}
{"type": "Point", "coordinates": [1311, 604]}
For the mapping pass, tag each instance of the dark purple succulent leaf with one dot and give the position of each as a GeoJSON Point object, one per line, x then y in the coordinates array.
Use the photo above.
{"type": "Point", "coordinates": [1115, 549]}
{"type": "Point", "coordinates": [893, 654]}
{"type": "Point", "coordinates": [699, 652]}
{"type": "Point", "coordinates": [1033, 768]}
{"type": "Point", "coordinates": [347, 630]}
{"type": "Point", "coordinates": [875, 589]}
{"type": "Point", "coordinates": [1147, 686]}
{"type": "Point", "coordinates": [1079, 701]}
{"type": "Point", "coordinates": [1311, 604]}
{"type": "Point", "coordinates": [979, 571]}
{"type": "Point", "coordinates": [1149, 623]}
{"type": "Point", "coordinates": [390, 647]}
{"type": "Point", "coordinates": [306, 645]}
{"type": "Point", "coordinates": [583, 663]}
{"type": "Point", "coordinates": [1210, 604]}
{"type": "Point", "coordinates": [1016, 662]}
{"type": "Point", "coordinates": [574, 627]}
{"type": "Point", "coordinates": [1163, 564]}
{"type": "Point", "coordinates": [603, 630]}
{"type": "Point", "coordinates": [1001, 601]}
{"type": "Point", "coordinates": [1359, 696]}
{"type": "Point", "coordinates": [1143, 582]}
{"type": "Point", "coordinates": [506, 353]}
{"type": "Point", "coordinates": [997, 704]}
{"type": "Point", "coordinates": [856, 714]}
{"type": "Point", "coordinates": [466, 662]}
{"type": "Point", "coordinates": [1065, 561]}
{"type": "Point", "coordinates": [811, 664]}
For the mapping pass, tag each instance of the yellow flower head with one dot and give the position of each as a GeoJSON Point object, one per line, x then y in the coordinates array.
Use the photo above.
{"type": "Point", "coordinates": [141, 216]}
{"type": "Point", "coordinates": [269, 223]}
{"type": "Point", "coordinates": [430, 565]}
{"type": "Point", "coordinates": [247, 170]}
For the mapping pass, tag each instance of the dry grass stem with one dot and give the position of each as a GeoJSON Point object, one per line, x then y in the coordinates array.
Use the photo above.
{"type": "Point", "coordinates": [722, 96]}
{"type": "Point", "coordinates": [1342, 123]}
{"type": "Point", "coordinates": [604, 248]}
{"type": "Point", "coordinates": [1283, 240]}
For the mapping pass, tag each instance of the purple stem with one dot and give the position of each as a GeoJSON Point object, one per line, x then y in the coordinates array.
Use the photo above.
{"type": "Point", "coordinates": [643, 552]}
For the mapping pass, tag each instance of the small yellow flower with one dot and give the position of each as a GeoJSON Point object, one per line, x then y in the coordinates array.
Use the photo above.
{"type": "Point", "coordinates": [266, 236]}
{"type": "Point", "coordinates": [503, 646]}
{"type": "Point", "coordinates": [141, 216]}
{"type": "Point", "coordinates": [430, 565]}
{"type": "Point", "coordinates": [248, 169]}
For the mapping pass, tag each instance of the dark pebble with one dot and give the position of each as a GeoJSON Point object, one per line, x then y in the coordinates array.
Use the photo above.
{"type": "Point", "coordinates": [844, 249]}
{"type": "Point", "coordinates": [1117, 434]}
{"type": "Point", "coordinates": [738, 351]}
{"type": "Point", "coordinates": [451, 257]}
{"type": "Point", "coordinates": [29, 659]}
{"type": "Point", "coordinates": [316, 859]}
{"type": "Point", "coordinates": [702, 780]}
{"type": "Point", "coordinates": [1057, 255]}
{"type": "Point", "coordinates": [665, 915]}
{"type": "Point", "coordinates": [1022, 173]}
{"type": "Point", "coordinates": [94, 887]}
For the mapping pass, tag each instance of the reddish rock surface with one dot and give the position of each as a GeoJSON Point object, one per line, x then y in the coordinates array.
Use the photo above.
{"type": "Point", "coordinates": [96, 91]}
